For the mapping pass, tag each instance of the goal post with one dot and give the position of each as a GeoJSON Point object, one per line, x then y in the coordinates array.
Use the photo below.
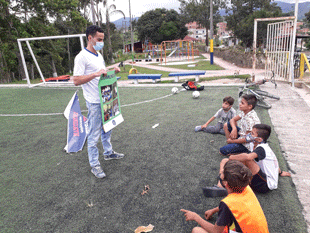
{"type": "Point", "coordinates": [19, 42]}
{"type": "Point", "coordinates": [279, 47]}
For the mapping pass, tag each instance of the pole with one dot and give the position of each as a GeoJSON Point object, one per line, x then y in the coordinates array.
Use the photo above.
{"type": "Point", "coordinates": [211, 32]}
{"type": "Point", "coordinates": [132, 44]}
{"type": "Point", "coordinates": [293, 45]}
{"type": "Point", "coordinates": [254, 49]}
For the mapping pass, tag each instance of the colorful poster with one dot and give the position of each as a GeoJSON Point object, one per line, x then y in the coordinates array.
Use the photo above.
{"type": "Point", "coordinates": [110, 103]}
{"type": "Point", "coordinates": [77, 127]}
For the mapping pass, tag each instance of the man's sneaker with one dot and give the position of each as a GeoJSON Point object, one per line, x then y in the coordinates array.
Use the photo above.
{"type": "Point", "coordinates": [197, 128]}
{"type": "Point", "coordinates": [214, 191]}
{"type": "Point", "coordinates": [114, 155]}
{"type": "Point", "coordinates": [98, 172]}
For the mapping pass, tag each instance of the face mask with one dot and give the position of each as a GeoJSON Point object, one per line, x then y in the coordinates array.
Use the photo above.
{"type": "Point", "coordinates": [98, 46]}
{"type": "Point", "coordinates": [250, 138]}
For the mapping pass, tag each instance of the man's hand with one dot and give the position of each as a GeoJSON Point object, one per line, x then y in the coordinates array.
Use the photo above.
{"type": "Point", "coordinates": [117, 69]}
{"type": "Point", "coordinates": [209, 213]}
{"type": "Point", "coordinates": [100, 72]}
{"type": "Point", "coordinates": [189, 215]}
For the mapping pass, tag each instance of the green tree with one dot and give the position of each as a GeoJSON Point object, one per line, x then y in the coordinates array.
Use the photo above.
{"type": "Point", "coordinates": [307, 21]}
{"type": "Point", "coordinates": [161, 24]}
{"type": "Point", "coordinates": [241, 15]}
{"type": "Point", "coordinates": [199, 11]}
{"type": "Point", "coordinates": [110, 10]}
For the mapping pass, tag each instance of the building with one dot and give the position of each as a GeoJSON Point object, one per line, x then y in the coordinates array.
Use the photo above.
{"type": "Point", "coordinates": [196, 31]}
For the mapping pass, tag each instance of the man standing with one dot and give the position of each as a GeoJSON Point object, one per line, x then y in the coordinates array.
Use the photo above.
{"type": "Point", "coordinates": [89, 65]}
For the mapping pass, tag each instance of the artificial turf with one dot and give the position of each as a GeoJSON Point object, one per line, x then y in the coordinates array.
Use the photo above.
{"type": "Point", "coordinates": [43, 189]}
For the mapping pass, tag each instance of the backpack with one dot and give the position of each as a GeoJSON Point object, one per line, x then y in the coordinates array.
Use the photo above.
{"type": "Point", "coordinates": [192, 86]}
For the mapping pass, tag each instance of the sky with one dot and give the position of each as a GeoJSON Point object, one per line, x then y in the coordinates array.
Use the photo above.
{"type": "Point", "coordinates": [138, 7]}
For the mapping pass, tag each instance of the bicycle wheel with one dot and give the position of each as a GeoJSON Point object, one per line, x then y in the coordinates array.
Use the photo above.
{"type": "Point", "coordinates": [265, 93]}
{"type": "Point", "coordinates": [262, 103]}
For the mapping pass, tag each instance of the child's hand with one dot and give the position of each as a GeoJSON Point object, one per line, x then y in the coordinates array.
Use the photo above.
{"type": "Point", "coordinates": [189, 215]}
{"type": "Point", "coordinates": [234, 134]}
{"type": "Point", "coordinates": [208, 214]}
{"type": "Point", "coordinates": [229, 141]}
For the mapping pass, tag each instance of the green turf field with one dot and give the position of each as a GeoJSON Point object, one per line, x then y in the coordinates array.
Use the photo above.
{"type": "Point", "coordinates": [43, 189]}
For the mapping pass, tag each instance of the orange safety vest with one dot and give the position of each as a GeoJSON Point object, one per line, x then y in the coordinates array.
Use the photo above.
{"type": "Point", "coordinates": [247, 211]}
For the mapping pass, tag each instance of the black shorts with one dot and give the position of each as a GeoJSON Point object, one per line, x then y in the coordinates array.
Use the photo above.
{"type": "Point", "coordinates": [259, 182]}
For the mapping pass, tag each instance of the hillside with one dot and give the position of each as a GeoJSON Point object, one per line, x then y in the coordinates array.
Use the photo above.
{"type": "Point", "coordinates": [303, 8]}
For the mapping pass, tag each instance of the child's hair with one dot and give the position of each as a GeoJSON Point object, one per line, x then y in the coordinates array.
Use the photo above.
{"type": "Point", "coordinates": [92, 30]}
{"type": "Point", "coordinates": [237, 175]}
{"type": "Point", "coordinates": [229, 100]}
{"type": "Point", "coordinates": [263, 131]}
{"type": "Point", "coordinates": [250, 99]}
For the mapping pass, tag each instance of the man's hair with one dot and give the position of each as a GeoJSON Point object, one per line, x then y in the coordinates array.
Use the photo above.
{"type": "Point", "coordinates": [92, 30]}
{"type": "Point", "coordinates": [263, 131]}
{"type": "Point", "coordinates": [250, 99]}
{"type": "Point", "coordinates": [229, 100]}
{"type": "Point", "coordinates": [237, 175]}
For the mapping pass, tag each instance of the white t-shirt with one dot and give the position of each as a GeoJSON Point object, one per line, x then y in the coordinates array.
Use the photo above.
{"type": "Point", "coordinates": [269, 166]}
{"type": "Point", "coordinates": [225, 116]}
{"type": "Point", "coordinates": [86, 63]}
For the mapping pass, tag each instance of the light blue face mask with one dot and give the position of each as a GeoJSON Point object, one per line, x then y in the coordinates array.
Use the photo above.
{"type": "Point", "coordinates": [98, 46]}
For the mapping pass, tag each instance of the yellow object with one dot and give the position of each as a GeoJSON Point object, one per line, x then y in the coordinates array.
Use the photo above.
{"type": "Point", "coordinates": [133, 71]}
{"type": "Point", "coordinates": [247, 211]}
{"type": "Point", "coordinates": [144, 229]}
{"type": "Point", "coordinates": [211, 46]}
{"type": "Point", "coordinates": [303, 59]}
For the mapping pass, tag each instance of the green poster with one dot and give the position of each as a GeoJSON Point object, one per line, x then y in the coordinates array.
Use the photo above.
{"type": "Point", "coordinates": [109, 99]}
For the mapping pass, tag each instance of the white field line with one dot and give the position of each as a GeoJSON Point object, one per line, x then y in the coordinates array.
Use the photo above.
{"type": "Point", "coordinates": [61, 113]}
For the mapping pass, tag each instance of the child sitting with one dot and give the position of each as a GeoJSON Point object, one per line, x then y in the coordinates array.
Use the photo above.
{"type": "Point", "coordinates": [248, 118]}
{"type": "Point", "coordinates": [262, 162]}
{"type": "Point", "coordinates": [224, 114]}
{"type": "Point", "coordinates": [240, 211]}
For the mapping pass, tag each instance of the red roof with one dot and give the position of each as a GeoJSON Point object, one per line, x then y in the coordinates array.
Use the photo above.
{"type": "Point", "coordinates": [190, 38]}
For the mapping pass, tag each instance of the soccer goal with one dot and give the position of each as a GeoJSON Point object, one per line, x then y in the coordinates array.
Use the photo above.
{"type": "Point", "coordinates": [279, 47]}
{"type": "Point", "coordinates": [19, 41]}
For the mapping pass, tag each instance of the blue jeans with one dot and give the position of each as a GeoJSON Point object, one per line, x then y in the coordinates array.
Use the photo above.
{"type": "Point", "coordinates": [95, 126]}
{"type": "Point", "coordinates": [233, 148]}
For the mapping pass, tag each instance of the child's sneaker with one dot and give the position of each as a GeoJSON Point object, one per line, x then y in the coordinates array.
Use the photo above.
{"type": "Point", "coordinates": [114, 155]}
{"type": "Point", "coordinates": [98, 172]}
{"type": "Point", "coordinates": [197, 128]}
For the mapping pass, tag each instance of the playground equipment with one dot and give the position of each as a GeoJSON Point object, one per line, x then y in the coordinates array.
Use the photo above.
{"type": "Point", "coordinates": [182, 49]}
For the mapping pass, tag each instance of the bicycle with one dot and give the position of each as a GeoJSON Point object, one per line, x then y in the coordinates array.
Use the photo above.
{"type": "Point", "coordinates": [253, 88]}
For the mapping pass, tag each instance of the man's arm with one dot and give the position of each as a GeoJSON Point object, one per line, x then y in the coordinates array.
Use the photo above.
{"type": "Point", "coordinates": [243, 157]}
{"type": "Point", "coordinates": [79, 80]}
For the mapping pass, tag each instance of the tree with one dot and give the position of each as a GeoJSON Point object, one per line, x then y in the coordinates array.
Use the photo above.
{"type": "Point", "coordinates": [161, 24]}
{"type": "Point", "coordinates": [110, 10]}
{"type": "Point", "coordinates": [199, 11]}
{"type": "Point", "coordinates": [307, 21]}
{"type": "Point", "coordinates": [241, 15]}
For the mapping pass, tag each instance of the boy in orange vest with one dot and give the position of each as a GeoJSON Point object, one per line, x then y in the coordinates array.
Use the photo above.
{"type": "Point", "coordinates": [240, 211]}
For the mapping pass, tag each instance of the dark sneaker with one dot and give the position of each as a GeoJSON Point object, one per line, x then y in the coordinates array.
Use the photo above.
{"type": "Point", "coordinates": [114, 155]}
{"type": "Point", "coordinates": [214, 191]}
{"type": "Point", "coordinates": [197, 128]}
{"type": "Point", "coordinates": [98, 172]}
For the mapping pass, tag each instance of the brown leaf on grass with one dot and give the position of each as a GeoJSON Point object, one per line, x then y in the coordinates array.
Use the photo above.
{"type": "Point", "coordinates": [146, 189]}
{"type": "Point", "coordinates": [141, 229]}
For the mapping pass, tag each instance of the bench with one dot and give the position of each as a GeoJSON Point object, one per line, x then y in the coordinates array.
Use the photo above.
{"type": "Point", "coordinates": [136, 77]}
{"type": "Point", "coordinates": [191, 73]}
